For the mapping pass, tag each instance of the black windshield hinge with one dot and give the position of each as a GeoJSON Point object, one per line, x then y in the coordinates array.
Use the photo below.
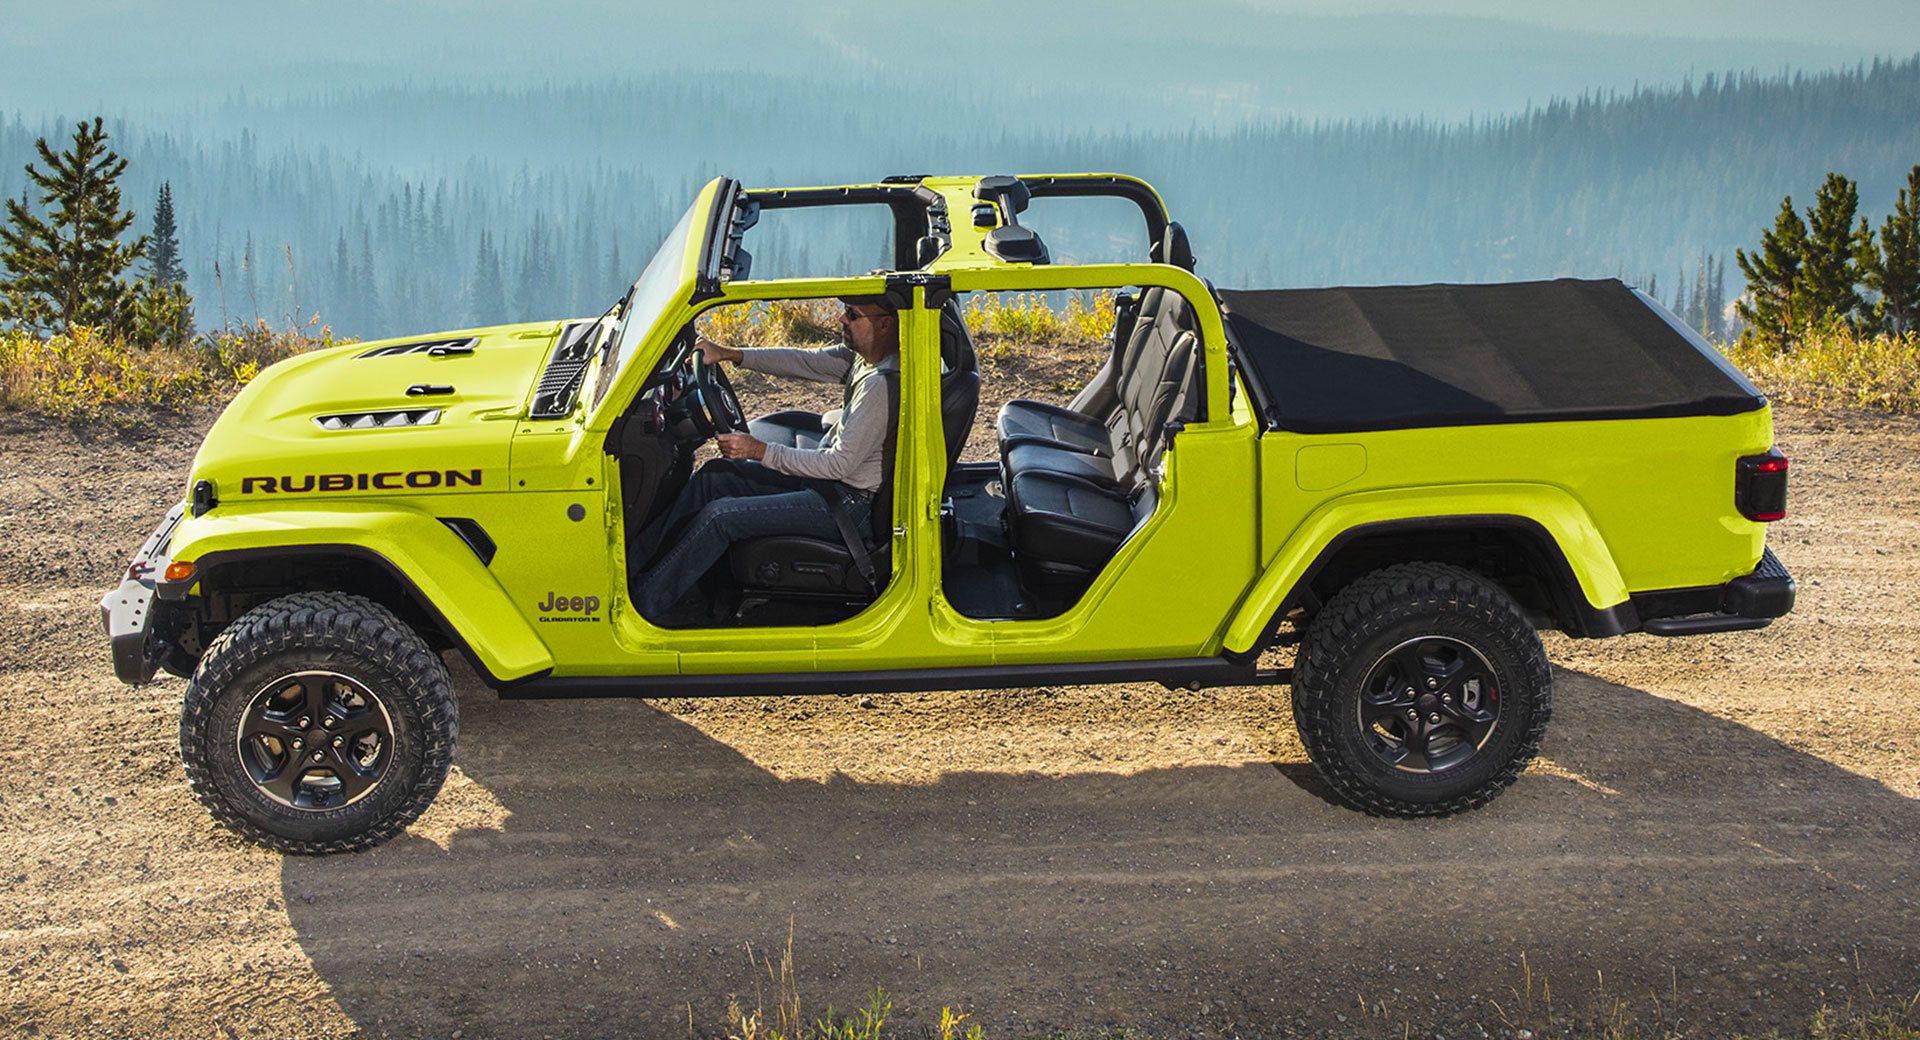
{"type": "Point", "coordinates": [900, 289]}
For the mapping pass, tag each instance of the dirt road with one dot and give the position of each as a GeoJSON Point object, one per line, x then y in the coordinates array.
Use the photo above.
{"type": "Point", "coordinates": [1723, 834]}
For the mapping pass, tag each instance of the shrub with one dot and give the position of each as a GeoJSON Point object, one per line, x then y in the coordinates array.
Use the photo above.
{"type": "Point", "coordinates": [1836, 365]}
{"type": "Point", "coordinates": [84, 374]}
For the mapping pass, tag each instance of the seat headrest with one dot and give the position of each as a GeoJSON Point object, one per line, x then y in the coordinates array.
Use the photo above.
{"type": "Point", "coordinates": [1174, 248]}
{"type": "Point", "coordinates": [956, 346]}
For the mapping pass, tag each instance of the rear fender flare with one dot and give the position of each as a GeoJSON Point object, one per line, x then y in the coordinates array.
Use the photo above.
{"type": "Point", "coordinates": [1549, 509]}
{"type": "Point", "coordinates": [438, 570]}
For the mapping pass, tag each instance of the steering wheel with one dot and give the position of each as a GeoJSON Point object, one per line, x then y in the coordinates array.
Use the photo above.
{"type": "Point", "coordinates": [715, 407]}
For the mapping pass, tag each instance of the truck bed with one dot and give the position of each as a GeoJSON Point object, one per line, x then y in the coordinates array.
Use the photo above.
{"type": "Point", "coordinates": [1352, 359]}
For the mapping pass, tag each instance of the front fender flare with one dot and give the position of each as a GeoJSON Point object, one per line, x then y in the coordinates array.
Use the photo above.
{"type": "Point", "coordinates": [1550, 508]}
{"type": "Point", "coordinates": [423, 554]}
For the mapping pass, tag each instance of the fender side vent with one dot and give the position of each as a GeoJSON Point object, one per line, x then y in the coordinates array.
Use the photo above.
{"type": "Point", "coordinates": [473, 534]}
{"type": "Point", "coordinates": [433, 347]}
{"type": "Point", "coordinates": [388, 420]}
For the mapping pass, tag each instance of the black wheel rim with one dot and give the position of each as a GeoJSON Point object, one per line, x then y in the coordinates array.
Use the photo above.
{"type": "Point", "coordinates": [1428, 704]}
{"type": "Point", "coordinates": [315, 741]}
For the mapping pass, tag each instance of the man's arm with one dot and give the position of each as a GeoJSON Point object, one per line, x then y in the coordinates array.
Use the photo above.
{"type": "Point", "coordinates": [855, 458]}
{"type": "Point", "coordinates": [815, 364]}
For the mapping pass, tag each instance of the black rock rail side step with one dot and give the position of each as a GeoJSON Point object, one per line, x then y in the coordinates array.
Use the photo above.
{"type": "Point", "coordinates": [1172, 673]}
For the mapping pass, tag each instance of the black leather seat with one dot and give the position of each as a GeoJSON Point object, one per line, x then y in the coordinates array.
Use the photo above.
{"type": "Point", "coordinates": [1026, 422]}
{"type": "Point", "coordinates": [1159, 390]}
{"type": "Point", "coordinates": [1068, 513]}
{"type": "Point", "coordinates": [798, 564]}
{"type": "Point", "coordinates": [1070, 508]}
{"type": "Point", "coordinates": [1064, 531]}
{"type": "Point", "coordinates": [794, 428]}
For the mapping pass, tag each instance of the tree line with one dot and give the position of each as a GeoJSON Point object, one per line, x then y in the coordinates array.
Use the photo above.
{"type": "Point", "coordinates": [552, 214]}
{"type": "Point", "coordinates": [69, 267]}
{"type": "Point", "coordinates": [1826, 269]}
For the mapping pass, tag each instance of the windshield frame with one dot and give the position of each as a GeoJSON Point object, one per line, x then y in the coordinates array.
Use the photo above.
{"type": "Point", "coordinates": [662, 287]}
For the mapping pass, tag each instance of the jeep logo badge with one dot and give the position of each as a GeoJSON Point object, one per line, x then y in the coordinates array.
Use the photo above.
{"type": "Point", "coordinates": [558, 607]}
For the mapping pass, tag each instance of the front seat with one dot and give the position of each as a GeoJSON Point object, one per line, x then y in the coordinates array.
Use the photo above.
{"type": "Point", "coordinates": [805, 565]}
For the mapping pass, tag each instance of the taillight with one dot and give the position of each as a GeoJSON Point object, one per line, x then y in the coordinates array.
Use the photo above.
{"type": "Point", "coordinates": [1760, 486]}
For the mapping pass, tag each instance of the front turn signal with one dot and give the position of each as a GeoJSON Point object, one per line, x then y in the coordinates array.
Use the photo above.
{"type": "Point", "coordinates": [179, 571]}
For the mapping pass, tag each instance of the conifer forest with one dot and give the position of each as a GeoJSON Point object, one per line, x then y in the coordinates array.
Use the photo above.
{"type": "Point", "coordinates": [390, 210]}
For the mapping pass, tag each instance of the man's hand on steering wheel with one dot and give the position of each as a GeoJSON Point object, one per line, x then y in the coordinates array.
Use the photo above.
{"type": "Point", "coordinates": [742, 446]}
{"type": "Point", "coordinates": [715, 406]}
{"type": "Point", "coordinates": [711, 352]}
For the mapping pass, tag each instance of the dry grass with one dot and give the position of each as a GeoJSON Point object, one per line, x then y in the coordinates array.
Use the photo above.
{"type": "Point", "coordinates": [776, 323]}
{"type": "Point", "coordinates": [786, 1022]}
{"type": "Point", "coordinates": [1838, 366]}
{"type": "Point", "coordinates": [1004, 321]}
{"type": "Point", "coordinates": [80, 375]}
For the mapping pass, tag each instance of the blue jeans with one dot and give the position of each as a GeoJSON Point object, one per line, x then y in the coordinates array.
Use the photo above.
{"type": "Point", "coordinates": [726, 501]}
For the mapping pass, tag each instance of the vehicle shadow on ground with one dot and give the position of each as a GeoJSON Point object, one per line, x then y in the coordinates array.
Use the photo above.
{"type": "Point", "coordinates": [1665, 860]}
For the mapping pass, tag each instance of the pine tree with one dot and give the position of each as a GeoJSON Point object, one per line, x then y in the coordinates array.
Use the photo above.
{"type": "Point", "coordinates": [1893, 270]}
{"type": "Point", "coordinates": [1716, 304]}
{"type": "Point", "coordinates": [487, 293]}
{"type": "Point", "coordinates": [617, 274]}
{"type": "Point", "coordinates": [535, 295]}
{"type": "Point", "coordinates": [163, 312]}
{"type": "Point", "coordinates": [67, 269]}
{"type": "Point", "coordinates": [163, 243]}
{"type": "Point", "coordinates": [1770, 308]}
{"type": "Point", "coordinates": [340, 281]}
{"type": "Point", "coordinates": [1830, 268]}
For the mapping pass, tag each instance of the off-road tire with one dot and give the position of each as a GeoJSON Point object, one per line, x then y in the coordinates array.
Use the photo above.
{"type": "Point", "coordinates": [1359, 641]}
{"type": "Point", "coordinates": [327, 633]}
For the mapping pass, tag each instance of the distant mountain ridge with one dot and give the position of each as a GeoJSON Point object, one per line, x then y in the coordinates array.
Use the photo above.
{"type": "Point", "coordinates": [382, 195]}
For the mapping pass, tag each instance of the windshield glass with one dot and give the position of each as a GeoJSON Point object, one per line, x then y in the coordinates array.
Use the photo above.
{"type": "Point", "coordinates": [649, 297]}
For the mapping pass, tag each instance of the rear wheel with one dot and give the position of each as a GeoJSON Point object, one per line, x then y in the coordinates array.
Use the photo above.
{"type": "Point", "coordinates": [318, 722]}
{"type": "Point", "coordinates": [1421, 691]}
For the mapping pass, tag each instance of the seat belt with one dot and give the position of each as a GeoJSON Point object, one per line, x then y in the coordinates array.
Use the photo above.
{"type": "Point", "coordinates": [840, 503]}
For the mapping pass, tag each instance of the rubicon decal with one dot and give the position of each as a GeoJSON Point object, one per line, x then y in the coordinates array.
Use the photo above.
{"type": "Point", "coordinates": [392, 480]}
{"type": "Point", "coordinates": [569, 608]}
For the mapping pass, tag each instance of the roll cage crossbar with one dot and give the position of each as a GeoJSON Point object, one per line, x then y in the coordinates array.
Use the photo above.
{"type": "Point", "coordinates": [922, 229]}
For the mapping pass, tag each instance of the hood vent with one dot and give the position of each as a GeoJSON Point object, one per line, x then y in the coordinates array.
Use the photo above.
{"type": "Point", "coordinates": [430, 347]}
{"type": "Point", "coordinates": [388, 420]}
{"type": "Point", "coordinates": [560, 383]}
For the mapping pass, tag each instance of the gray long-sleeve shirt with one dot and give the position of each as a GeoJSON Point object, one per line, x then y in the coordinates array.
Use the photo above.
{"type": "Point", "coordinates": [852, 450]}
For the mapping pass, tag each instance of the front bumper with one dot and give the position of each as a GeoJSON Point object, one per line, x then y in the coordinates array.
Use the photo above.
{"type": "Point", "coordinates": [127, 611]}
{"type": "Point", "coordinates": [1747, 602]}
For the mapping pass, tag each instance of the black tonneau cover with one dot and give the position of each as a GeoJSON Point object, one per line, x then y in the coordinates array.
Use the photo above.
{"type": "Point", "coordinates": [1393, 357]}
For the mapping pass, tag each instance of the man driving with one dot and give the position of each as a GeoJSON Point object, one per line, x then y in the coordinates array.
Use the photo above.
{"type": "Point", "coordinates": [760, 489]}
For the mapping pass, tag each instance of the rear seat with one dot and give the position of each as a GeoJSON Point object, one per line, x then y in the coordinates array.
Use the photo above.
{"type": "Point", "coordinates": [1072, 500]}
{"type": "Point", "coordinates": [1022, 421]}
{"type": "Point", "coordinates": [1156, 391]}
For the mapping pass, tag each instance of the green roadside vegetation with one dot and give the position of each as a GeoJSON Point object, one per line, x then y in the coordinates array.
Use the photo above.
{"type": "Point", "coordinates": [1531, 1015]}
{"type": "Point", "coordinates": [1525, 1011]}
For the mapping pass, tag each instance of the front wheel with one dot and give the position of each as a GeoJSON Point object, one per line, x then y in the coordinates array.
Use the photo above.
{"type": "Point", "coordinates": [318, 722]}
{"type": "Point", "coordinates": [1421, 691]}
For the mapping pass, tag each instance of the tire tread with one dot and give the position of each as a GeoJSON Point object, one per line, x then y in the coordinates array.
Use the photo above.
{"type": "Point", "coordinates": [309, 619]}
{"type": "Point", "coordinates": [1382, 598]}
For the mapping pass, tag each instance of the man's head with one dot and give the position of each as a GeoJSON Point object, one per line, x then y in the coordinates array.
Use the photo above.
{"type": "Point", "coordinates": [871, 327]}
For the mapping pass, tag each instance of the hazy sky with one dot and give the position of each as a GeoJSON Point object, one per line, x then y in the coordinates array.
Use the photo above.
{"type": "Point", "coordinates": [1889, 26]}
{"type": "Point", "coordinates": [1206, 59]}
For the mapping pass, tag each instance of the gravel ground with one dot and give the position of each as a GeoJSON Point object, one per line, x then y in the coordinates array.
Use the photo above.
{"type": "Point", "coordinates": [1721, 836]}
